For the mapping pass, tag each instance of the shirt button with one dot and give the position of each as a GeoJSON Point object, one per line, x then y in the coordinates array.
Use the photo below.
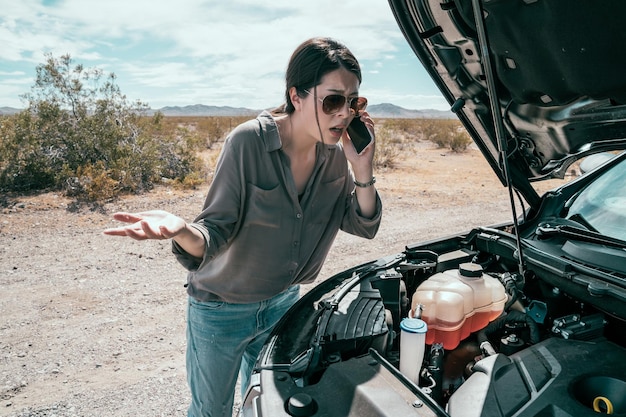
{"type": "Point", "coordinates": [299, 216]}
{"type": "Point", "coordinates": [295, 243]}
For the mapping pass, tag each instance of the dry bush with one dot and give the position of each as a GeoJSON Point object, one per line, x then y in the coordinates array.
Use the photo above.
{"type": "Point", "coordinates": [410, 128]}
{"type": "Point", "coordinates": [81, 136]}
{"type": "Point", "coordinates": [210, 129]}
{"type": "Point", "coordinates": [459, 141]}
{"type": "Point", "coordinates": [175, 150]}
{"type": "Point", "coordinates": [445, 133]}
{"type": "Point", "coordinates": [387, 147]}
{"type": "Point", "coordinates": [393, 136]}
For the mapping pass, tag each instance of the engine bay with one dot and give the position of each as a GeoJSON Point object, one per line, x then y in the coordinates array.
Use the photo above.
{"type": "Point", "coordinates": [545, 352]}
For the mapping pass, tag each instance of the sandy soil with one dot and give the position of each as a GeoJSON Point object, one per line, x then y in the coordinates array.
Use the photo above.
{"type": "Point", "coordinates": [92, 325]}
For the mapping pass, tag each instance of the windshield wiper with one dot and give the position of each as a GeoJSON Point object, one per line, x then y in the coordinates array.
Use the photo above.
{"type": "Point", "coordinates": [545, 231]}
{"type": "Point", "coordinates": [578, 218]}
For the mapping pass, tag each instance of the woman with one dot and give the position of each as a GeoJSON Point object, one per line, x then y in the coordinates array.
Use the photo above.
{"type": "Point", "coordinates": [282, 189]}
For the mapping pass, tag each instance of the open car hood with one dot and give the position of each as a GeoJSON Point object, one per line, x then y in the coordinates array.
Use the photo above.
{"type": "Point", "coordinates": [538, 84]}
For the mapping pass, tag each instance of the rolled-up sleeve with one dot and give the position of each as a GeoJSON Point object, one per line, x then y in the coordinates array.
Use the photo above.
{"type": "Point", "coordinates": [354, 223]}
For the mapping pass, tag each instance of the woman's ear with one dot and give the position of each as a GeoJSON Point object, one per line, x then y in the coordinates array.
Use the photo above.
{"type": "Point", "coordinates": [296, 100]}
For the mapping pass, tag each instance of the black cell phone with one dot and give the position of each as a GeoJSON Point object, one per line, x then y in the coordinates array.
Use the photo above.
{"type": "Point", "coordinates": [359, 135]}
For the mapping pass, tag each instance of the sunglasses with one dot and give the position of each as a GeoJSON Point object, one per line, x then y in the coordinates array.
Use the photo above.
{"type": "Point", "coordinates": [332, 103]}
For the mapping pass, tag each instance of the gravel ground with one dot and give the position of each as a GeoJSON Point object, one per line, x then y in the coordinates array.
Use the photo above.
{"type": "Point", "coordinates": [93, 325]}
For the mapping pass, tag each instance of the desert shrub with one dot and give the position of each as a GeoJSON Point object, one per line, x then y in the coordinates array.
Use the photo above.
{"type": "Point", "coordinates": [446, 133]}
{"type": "Point", "coordinates": [180, 158]}
{"type": "Point", "coordinates": [410, 129]}
{"type": "Point", "coordinates": [459, 141]}
{"type": "Point", "coordinates": [436, 131]}
{"type": "Point", "coordinates": [81, 136]}
{"type": "Point", "coordinates": [210, 129]}
{"type": "Point", "coordinates": [387, 150]}
{"type": "Point", "coordinates": [215, 128]}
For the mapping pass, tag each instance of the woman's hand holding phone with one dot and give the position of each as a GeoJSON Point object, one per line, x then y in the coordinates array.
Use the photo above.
{"type": "Point", "coordinates": [360, 135]}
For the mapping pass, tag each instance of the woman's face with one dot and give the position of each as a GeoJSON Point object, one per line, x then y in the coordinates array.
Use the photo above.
{"type": "Point", "coordinates": [332, 126]}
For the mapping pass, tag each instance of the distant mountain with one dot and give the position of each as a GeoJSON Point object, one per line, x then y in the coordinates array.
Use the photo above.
{"type": "Point", "coordinates": [385, 110]}
{"type": "Point", "coordinates": [193, 110]}
{"type": "Point", "coordinates": [8, 110]}
{"type": "Point", "coordinates": [391, 111]}
{"type": "Point", "coordinates": [203, 110]}
{"type": "Point", "coordinates": [381, 111]}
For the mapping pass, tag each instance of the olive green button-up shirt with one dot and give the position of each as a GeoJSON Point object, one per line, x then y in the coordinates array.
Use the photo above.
{"type": "Point", "coordinates": [261, 237]}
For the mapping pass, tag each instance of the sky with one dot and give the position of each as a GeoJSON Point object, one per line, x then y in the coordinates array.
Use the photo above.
{"type": "Point", "coordinates": [213, 52]}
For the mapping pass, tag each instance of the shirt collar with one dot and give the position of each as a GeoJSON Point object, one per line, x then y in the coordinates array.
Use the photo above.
{"type": "Point", "coordinates": [269, 130]}
{"type": "Point", "coordinates": [271, 135]}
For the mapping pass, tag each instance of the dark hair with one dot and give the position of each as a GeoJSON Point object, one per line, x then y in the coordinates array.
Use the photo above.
{"type": "Point", "coordinates": [311, 61]}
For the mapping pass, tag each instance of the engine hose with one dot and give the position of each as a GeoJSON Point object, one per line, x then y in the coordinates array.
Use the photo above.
{"type": "Point", "coordinates": [511, 289]}
{"type": "Point", "coordinates": [486, 263]}
{"type": "Point", "coordinates": [435, 367]}
{"type": "Point", "coordinates": [512, 316]}
{"type": "Point", "coordinates": [532, 326]}
{"type": "Point", "coordinates": [497, 324]}
{"type": "Point", "coordinates": [510, 286]}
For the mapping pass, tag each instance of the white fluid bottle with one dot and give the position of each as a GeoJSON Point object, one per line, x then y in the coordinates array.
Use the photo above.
{"type": "Point", "coordinates": [412, 346]}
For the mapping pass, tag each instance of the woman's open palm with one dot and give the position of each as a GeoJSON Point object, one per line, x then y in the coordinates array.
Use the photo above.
{"type": "Point", "coordinates": [154, 224]}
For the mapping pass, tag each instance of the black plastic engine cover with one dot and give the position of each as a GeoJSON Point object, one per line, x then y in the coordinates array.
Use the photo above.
{"type": "Point", "coordinates": [556, 377]}
{"type": "Point", "coordinates": [357, 318]}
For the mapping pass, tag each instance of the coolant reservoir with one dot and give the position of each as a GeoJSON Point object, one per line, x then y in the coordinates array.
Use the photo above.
{"type": "Point", "coordinates": [457, 303]}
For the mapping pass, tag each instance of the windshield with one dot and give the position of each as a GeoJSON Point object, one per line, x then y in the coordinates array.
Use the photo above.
{"type": "Point", "coordinates": [602, 204]}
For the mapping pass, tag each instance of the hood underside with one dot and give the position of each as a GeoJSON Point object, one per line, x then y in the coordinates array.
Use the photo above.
{"type": "Point", "coordinates": [538, 81]}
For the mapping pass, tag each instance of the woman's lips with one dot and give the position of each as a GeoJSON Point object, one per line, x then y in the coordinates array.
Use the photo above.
{"type": "Point", "coordinates": [337, 131]}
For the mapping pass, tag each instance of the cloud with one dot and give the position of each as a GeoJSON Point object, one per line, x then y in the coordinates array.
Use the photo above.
{"type": "Point", "coordinates": [232, 52]}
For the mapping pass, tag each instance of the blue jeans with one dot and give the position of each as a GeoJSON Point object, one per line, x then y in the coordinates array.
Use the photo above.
{"type": "Point", "coordinates": [219, 336]}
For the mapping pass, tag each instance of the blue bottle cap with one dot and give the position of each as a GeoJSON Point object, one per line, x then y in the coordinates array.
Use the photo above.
{"type": "Point", "coordinates": [412, 325]}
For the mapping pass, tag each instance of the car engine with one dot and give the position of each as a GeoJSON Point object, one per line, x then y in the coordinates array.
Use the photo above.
{"type": "Point", "coordinates": [524, 345]}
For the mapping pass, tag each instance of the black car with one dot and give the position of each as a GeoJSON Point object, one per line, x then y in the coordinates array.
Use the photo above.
{"type": "Point", "coordinates": [520, 319]}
